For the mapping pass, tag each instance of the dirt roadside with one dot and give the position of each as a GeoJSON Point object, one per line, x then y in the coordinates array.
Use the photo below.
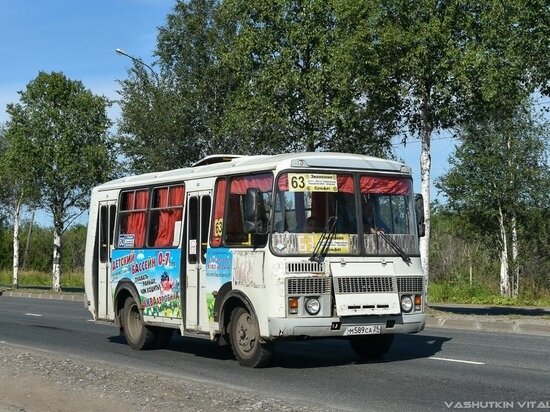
{"type": "Point", "coordinates": [41, 381]}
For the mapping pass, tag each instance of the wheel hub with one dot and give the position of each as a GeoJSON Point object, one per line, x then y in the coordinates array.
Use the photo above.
{"type": "Point", "coordinates": [246, 332]}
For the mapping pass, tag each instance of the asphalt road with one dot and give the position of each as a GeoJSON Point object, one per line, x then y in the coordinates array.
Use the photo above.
{"type": "Point", "coordinates": [428, 371]}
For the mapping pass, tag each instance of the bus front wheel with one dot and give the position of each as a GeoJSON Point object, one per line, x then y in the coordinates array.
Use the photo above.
{"type": "Point", "coordinates": [371, 346]}
{"type": "Point", "coordinates": [245, 340]}
{"type": "Point", "coordinates": [138, 335]}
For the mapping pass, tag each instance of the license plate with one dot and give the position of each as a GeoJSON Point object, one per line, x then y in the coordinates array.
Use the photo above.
{"type": "Point", "coordinates": [362, 330]}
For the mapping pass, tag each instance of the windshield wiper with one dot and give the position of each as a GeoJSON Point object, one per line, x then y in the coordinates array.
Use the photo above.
{"type": "Point", "coordinates": [322, 245]}
{"type": "Point", "coordinates": [395, 246]}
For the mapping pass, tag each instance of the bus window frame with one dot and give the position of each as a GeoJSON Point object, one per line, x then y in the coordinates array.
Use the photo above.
{"type": "Point", "coordinates": [226, 211]}
{"type": "Point", "coordinates": [150, 189]}
{"type": "Point", "coordinates": [356, 175]}
{"type": "Point", "coordinates": [353, 174]}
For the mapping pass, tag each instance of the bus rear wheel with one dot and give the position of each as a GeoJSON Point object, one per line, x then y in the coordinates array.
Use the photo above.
{"type": "Point", "coordinates": [138, 335]}
{"type": "Point", "coordinates": [371, 346]}
{"type": "Point", "coordinates": [245, 340]}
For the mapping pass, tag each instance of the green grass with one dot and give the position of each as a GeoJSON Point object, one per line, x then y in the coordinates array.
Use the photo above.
{"type": "Point", "coordinates": [463, 292]}
{"type": "Point", "coordinates": [439, 292]}
{"type": "Point", "coordinates": [42, 279]}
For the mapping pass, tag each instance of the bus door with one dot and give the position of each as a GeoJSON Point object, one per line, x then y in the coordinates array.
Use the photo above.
{"type": "Point", "coordinates": [106, 227]}
{"type": "Point", "coordinates": [198, 222]}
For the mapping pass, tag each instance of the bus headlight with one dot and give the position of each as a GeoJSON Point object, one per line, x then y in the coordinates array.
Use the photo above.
{"type": "Point", "coordinates": [406, 304]}
{"type": "Point", "coordinates": [313, 306]}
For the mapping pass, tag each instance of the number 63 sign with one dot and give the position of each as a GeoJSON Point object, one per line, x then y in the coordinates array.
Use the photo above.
{"type": "Point", "coordinates": [312, 182]}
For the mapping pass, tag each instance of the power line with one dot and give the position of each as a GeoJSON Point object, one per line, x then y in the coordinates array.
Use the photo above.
{"type": "Point", "coordinates": [418, 140]}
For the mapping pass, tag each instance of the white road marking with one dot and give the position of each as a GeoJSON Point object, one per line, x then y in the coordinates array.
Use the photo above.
{"type": "Point", "coordinates": [458, 361]}
{"type": "Point", "coordinates": [33, 314]}
{"type": "Point", "coordinates": [90, 320]}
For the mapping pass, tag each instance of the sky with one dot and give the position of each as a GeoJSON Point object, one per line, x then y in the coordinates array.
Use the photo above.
{"type": "Point", "coordinates": [79, 38]}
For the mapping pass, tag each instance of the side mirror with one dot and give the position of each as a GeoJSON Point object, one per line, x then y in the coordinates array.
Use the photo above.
{"type": "Point", "coordinates": [253, 209]}
{"type": "Point", "coordinates": [419, 209]}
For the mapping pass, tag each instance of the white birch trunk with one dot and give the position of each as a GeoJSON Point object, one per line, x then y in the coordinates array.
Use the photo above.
{"type": "Point", "coordinates": [28, 243]}
{"type": "Point", "coordinates": [56, 269]}
{"type": "Point", "coordinates": [515, 252]}
{"type": "Point", "coordinates": [16, 223]}
{"type": "Point", "coordinates": [470, 265]}
{"type": "Point", "coordinates": [425, 166]}
{"type": "Point", "coordinates": [504, 264]}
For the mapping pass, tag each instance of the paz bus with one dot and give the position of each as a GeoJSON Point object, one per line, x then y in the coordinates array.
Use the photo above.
{"type": "Point", "coordinates": [251, 250]}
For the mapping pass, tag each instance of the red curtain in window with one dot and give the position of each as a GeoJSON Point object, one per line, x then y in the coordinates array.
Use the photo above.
{"type": "Point", "coordinates": [345, 184]}
{"type": "Point", "coordinates": [385, 185]}
{"type": "Point", "coordinates": [168, 217]}
{"type": "Point", "coordinates": [129, 201]}
{"type": "Point", "coordinates": [219, 208]}
{"type": "Point", "coordinates": [240, 184]}
{"type": "Point", "coordinates": [137, 220]}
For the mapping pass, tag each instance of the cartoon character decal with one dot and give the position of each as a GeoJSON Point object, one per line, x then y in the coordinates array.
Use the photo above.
{"type": "Point", "coordinates": [156, 276]}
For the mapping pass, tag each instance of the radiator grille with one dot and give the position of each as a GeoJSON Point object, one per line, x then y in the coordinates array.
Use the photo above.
{"type": "Point", "coordinates": [409, 284]}
{"type": "Point", "coordinates": [305, 267]}
{"type": "Point", "coordinates": [308, 286]}
{"type": "Point", "coordinates": [363, 284]}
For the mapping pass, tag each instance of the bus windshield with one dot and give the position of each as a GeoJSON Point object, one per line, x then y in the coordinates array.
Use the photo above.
{"type": "Point", "coordinates": [305, 203]}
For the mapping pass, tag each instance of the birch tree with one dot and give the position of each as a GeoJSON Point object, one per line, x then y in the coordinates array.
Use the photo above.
{"type": "Point", "coordinates": [17, 187]}
{"type": "Point", "coordinates": [499, 176]}
{"type": "Point", "coordinates": [64, 130]}
{"type": "Point", "coordinates": [454, 61]}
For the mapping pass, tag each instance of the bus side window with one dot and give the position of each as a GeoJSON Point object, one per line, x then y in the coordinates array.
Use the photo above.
{"type": "Point", "coordinates": [206, 204]}
{"type": "Point", "coordinates": [217, 226]}
{"type": "Point", "coordinates": [133, 219]}
{"type": "Point", "coordinates": [107, 216]}
{"type": "Point", "coordinates": [193, 229]}
{"type": "Point", "coordinates": [103, 235]}
{"type": "Point", "coordinates": [165, 216]}
{"type": "Point", "coordinates": [235, 232]}
{"type": "Point", "coordinates": [112, 216]}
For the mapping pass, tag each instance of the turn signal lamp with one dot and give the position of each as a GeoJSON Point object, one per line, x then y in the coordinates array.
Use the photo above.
{"type": "Point", "coordinates": [293, 306]}
{"type": "Point", "coordinates": [417, 302]}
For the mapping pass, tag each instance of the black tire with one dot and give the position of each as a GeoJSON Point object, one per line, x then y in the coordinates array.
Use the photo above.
{"type": "Point", "coordinates": [138, 335]}
{"type": "Point", "coordinates": [371, 347]}
{"type": "Point", "coordinates": [244, 335]}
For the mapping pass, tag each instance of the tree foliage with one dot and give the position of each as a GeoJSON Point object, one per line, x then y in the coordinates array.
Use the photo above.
{"type": "Point", "coordinates": [301, 83]}
{"type": "Point", "coordinates": [292, 75]}
{"type": "Point", "coordinates": [254, 77]}
{"type": "Point", "coordinates": [59, 133]}
{"type": "Point", "coordinates": [452, 61]}
{"type": "Point", "coordinates": [172, 118]}
{"type": "Point", "coordinates": [499, 182]}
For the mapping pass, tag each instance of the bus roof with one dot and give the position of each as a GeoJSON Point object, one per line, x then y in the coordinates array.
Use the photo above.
{"type": "Point", "coordinates": [234, 164]}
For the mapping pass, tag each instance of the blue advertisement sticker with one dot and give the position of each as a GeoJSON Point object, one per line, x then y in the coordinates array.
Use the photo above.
{"type": "Point", "coordinates": [156, 274]}
{"type": "Point", "coordinates": [219, 263]}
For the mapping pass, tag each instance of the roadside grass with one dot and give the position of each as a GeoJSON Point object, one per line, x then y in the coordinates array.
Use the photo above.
{"type": "Point", "coordinates": [458, 291]}
{"type": "Point", "coordinates": [42, 280]}
{"type": "Point", "coordinates": [463, 292]}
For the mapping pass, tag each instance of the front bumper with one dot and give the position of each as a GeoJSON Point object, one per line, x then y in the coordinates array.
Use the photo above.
{"type": "Point", "coordinates": [325, 327]}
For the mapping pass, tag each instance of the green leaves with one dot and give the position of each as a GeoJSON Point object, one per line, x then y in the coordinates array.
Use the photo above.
{"type": "Point", "coordinates": [58, 143]}
{"type": "Point", "coordinates": [298, 87]}
{"type": "Point", "coordinates": [500, 164]}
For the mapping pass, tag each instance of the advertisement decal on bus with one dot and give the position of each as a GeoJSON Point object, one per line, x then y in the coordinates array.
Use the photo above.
{"type": "Point", "coordinates": [156, 276]}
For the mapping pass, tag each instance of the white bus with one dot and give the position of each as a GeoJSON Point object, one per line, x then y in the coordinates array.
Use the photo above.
{"type": "Point", "coordinates": [249, 250]}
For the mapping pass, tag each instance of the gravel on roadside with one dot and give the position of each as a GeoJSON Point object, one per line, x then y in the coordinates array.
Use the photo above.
{"type": "Point", "coordinates": [37, 381]}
